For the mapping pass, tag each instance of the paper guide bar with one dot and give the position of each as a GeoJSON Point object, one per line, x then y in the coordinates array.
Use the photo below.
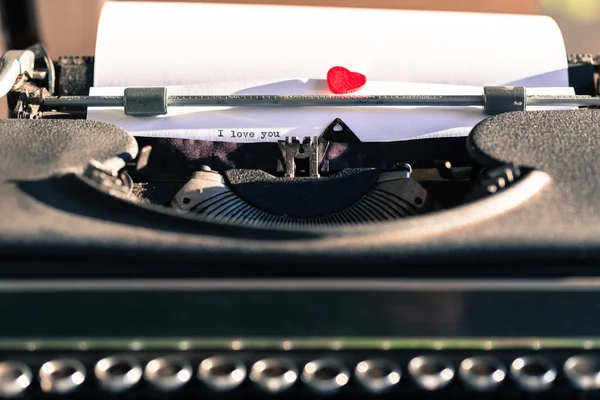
{"type": "Point", "coordinates": [154, 100]}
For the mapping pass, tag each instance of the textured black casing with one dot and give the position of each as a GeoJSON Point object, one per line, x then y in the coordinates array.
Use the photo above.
{"type": "Point", "coordinates": [552, 215]}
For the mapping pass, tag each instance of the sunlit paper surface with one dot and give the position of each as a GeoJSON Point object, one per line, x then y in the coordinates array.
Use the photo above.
{"type": "Point", "coordinates": [243, 49]}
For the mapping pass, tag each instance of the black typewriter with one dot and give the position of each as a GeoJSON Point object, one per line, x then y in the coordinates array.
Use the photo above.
{"type": "Point", "coordinates": [320, 267]}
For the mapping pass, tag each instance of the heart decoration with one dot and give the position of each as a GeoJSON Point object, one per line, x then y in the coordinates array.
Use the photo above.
{"type": "Point", "coordinates": [343, 81]}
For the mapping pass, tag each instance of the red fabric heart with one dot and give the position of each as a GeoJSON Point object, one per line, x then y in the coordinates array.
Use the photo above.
{"type": "Point", "coordinates": [343, 81]}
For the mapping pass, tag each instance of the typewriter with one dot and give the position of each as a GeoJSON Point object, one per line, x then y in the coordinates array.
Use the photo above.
{"type": "Point", "coordinates": [310, 267]}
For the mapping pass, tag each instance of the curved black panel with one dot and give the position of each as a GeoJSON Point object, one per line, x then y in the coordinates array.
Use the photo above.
{"type": "Point", "coordinates": [548, 216]}
{"type": "Point", "coordinates": [302, 197]}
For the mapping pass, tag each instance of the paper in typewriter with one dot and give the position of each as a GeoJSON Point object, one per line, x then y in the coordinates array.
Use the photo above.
{"type": "Point", "coordinates": [220, 49]}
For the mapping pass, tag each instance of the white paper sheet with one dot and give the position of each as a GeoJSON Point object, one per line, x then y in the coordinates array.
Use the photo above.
{"type": "Point", "coordinates": [243, 49]}
{"type": "Point", "coordinates": [179, 43]}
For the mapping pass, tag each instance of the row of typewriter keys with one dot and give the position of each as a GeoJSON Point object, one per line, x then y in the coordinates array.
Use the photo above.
{"type": "Point", "coordinates": [326, 376]}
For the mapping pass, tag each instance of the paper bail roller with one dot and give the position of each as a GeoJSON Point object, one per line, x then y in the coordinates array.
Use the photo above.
{"type": "Point", "coordinates": [144, 101]}
{"type": "Point", "coordinates": [154, 100]}
{"type": "Point", "coordinates": [501, 99]}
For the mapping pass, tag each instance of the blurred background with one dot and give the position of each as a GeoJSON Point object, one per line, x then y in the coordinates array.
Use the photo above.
{"type": "Point", "coordinates": [68, 27]}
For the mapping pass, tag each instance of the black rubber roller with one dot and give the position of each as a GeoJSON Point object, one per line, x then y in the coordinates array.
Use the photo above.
{"type": "Point", "coordinates": [145, 101]}
{"type": "Point", "coordinates": [502, 99]}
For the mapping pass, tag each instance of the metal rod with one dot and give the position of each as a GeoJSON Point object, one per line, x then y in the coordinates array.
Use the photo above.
{"type": "Point", "coordinates": [563, 101]}
{"type": "Point", "coordinates": [84, 101]}
{"type": "Point", "coordinates": [317, 101]}
{"type": "Point", "coordinates": [326, 101]}
{"type": "Point", "coordinates": [273, 101]}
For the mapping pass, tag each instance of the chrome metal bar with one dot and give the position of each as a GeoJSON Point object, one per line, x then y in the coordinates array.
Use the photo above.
{"type": "Point", "coordinates": [154, 100]}
{"type": "Point", "coordinates": [324, 101]}
{"type": "Point", "coordinates": [563, 101]}
{"type": "Point", "coordinates": [317, 101]}
{"type": "Point", "coordinates": [273, 101]}
{"type": "Point", "coordinates": [84, 101]}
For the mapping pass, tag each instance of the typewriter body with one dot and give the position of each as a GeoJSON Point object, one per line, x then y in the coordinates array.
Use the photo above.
{"type": "Point", "coordinates": [309, 267]}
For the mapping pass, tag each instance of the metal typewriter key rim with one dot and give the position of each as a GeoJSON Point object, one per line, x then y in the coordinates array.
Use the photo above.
{"type": "Point", "coordinates": [533, 381]}
{"type": "Point", "coordinates": [62, 376]}
{"type": "Point", "coordinates": [378, 375]}
{"type": "Point", "coordinates": [168, 373]}
{"type": "Point", "coordinates": [583, 372]}
{"type": "Point", "coordinates": [482, 373]}
{"type": "Point", "coordinates": [431, 372]}
{"type": "Point", "coordinates": [325, 375]}
{"type": "Point", "coordinates": [15, 378]}
{"type": "Point", "coordinates": [222, 373]}
{"type": "Point", "coordinates": [274, 375]}
{"type": "Point", "coordinates": [118, 373]}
